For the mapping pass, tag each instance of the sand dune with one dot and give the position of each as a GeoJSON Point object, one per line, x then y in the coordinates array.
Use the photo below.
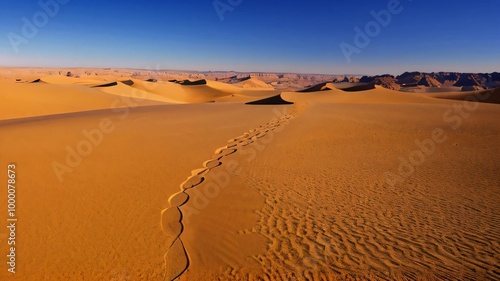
{"type": "Point", "coordinates": [275, 100]}
{"type": "Point", "coordinates": [187, 82]}
{"type": "Point", "coordinates": [488, 96]}
{"type": "Point", "coordinates": [319, 87]}
{"type": "Point", "coordinates": [35, 99]}
{"type": "Point", "coordinates": [181, 93]}
{"type": "Point", "coordinates": [123, 90]}
{"type": "Point", "coordinates": [253, 83]}
{"type": "Point", "coordinates": [102, 222]}
{"type": "Point", "coordinates": [212, 91]}
{"type": "Point", "coordinates": [127, 179]}
{"type": "Point", "coordinates": [60, 94]}
{"type": "Point", "coordinates": [377, 95]}
{"type": "Point", "coordinates": [328, 210]}
{"type": "Point", "coordinates": [332, 214]}
{"type": "Point", "coordinates": [355, 87]}
{"type": "Point", "coordinates": [345, 86]}
{"type": "Point", "coordinates": [64, 80]}
{"type": "Point", "coordinates": [424, 89]}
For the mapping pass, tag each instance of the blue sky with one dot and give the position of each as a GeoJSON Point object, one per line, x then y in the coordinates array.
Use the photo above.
{"type": "Point", "coordinates": [254, 35]}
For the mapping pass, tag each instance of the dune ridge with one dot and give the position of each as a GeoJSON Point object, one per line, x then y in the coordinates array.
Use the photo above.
{"type": "Point", "coordinates": [29, 100]}
{"type": "Point", "coordinates": [61, 94]}
{"type": "Point", "coordinates": [252, 82]}
{"type": "Point", "coordinates": [487, 96]}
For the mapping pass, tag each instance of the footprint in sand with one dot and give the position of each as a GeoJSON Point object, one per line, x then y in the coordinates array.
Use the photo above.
{"type": "Point", "coordinates": [262, 134]}
{"type": "Point", "coordinates": [242, 141]}
{"type": "Point", "coordinates": [192, 181]}
{"type": "Point", "coordinates": [250, 135]}
{"type": "Point", "coordinates": [178, 199]}
{"type": "Point", "coordinates": [176, 260]}
{"type": "Point", "coordinates": [210, 164]}
{"type": "Point", "coordinates": [171, 221]}
{"type": "Point", "coordinates": [240, 138]}
{"type": "Point", "coordinates": [232, 144]}
{"type": "Point", "coordinates": [246, 142]}
{"type": "Point", "coordinates": [223, 152]}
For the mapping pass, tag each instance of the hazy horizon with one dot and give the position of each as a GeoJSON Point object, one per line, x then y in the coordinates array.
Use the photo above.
{"type": "Point", "coordinates": [243, 72]}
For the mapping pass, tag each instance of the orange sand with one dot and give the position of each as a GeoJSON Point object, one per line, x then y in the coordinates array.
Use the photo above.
{"type": "Point", "coordinates": [122, 179]}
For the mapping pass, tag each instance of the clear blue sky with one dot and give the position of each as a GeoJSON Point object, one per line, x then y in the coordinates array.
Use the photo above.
{"type": "Point", "coordinates": [256, 35]}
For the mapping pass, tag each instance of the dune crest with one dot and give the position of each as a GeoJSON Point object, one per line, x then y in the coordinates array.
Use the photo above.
{"type": "Point", "coordinates": [59, 94]}
{"type": "Point", "coordinates": [253, 83]}
{"type": "Point", "coordinates": [486, 96]}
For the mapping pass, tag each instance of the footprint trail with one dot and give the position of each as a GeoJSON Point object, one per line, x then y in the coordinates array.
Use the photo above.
{"type": "Point", "coordinates": [177, 258]}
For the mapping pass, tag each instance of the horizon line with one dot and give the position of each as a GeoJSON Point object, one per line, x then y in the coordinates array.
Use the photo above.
{"type": "Point", "coordinates": [241, 72]}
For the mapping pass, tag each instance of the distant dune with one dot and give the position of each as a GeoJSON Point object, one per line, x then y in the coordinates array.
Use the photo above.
{"type": "Point", "coordinates": [60, 94]}
{"type": "Point", "coordinates": [276, 100]}
{"type": "Point", "coordinates": [319, 87]}
{"type": "Point", "coordinates": [487, 96]}
{"type": "Point", "coordinates": [35, 99]}
{"type": "Point", "coordinates": [355, 87]}
{"type": "Point", "coordinates": [253, 83]}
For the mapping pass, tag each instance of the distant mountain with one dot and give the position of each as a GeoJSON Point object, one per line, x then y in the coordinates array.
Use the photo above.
{"type": "Point", "coordinates": [468, 81]}
{"type": "Point", "coordinates": [386, 80]}
{"type": "Point", "coordinates": [408, 81]}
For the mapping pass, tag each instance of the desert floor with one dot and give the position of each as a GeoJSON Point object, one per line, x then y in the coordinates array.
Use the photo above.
{"type": "Point", "coordinates": [123, 179]}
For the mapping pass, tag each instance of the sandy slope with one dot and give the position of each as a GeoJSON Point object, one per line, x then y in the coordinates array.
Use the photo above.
{"type": "Point", "coordinates": [102, 222]}
{"type": "Point", "coordinates": [329, 209]}
{"type": "Point", "coordinates": [60, 94]}
{"type": "Point", "coordinates": [377, 95]}
{"type": "Point", "coordinates": [36, 99]}
{"type": "Point", "coordinates": [123, 90]}
{"type": "Point", "coordinates": [488, 96]}
{"type": "Point", "coordinates": [64, 80]}
{"type": "Point", "coordinates": [253, 83]}
{"type": "Point", "coordinates": [229, 191]}
{"type": "Point", "coordinates": [334, 214]}
{"type": "Point", "coordinates": [211, 92]}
